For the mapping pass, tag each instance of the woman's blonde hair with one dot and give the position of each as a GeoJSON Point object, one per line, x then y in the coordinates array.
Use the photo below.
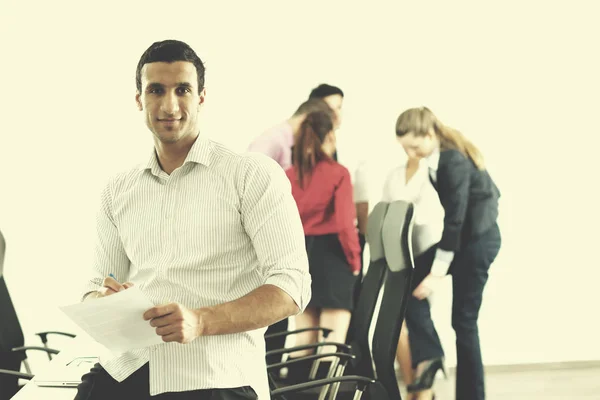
{"type": "Point", "coordinates": [421, 121]}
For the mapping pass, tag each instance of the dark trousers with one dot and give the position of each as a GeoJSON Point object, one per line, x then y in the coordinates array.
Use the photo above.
{"type": "Point", "coordinates": [99, 385]}
{"type": "Point", "coordinates": [469, 275]}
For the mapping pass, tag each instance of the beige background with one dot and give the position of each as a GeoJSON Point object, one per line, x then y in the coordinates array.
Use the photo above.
{"type": "Point", "coordinates": [520, 78]}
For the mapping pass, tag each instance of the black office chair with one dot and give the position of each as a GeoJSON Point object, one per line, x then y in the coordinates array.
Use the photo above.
{"type": "Point", "coordinates": [397, 291]}
{"type": "Point", "coordinates": [392, 264]}
{"type": "Point", "coordinates": [363, 314]}
{"type": "Point", "coordinates": [12, 349]}
{"type": "Point", "coordinates": [275, 339]}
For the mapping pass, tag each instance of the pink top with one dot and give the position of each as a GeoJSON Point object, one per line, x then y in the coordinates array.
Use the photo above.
{"type": "Point", "coordinates": [277, 143]}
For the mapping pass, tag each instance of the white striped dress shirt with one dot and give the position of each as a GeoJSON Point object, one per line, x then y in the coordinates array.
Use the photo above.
{"type": "Point", "coordinates": [220, 226]}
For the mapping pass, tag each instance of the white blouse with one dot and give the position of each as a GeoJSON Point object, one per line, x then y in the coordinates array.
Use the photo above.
{"type": "Point", "coordinates": [429, 213]}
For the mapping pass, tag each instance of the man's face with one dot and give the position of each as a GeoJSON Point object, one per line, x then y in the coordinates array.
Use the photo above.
{"type": "Point", "coordinates": [335, 101]}
{"type": "Point", "coordinates": [170, 100]}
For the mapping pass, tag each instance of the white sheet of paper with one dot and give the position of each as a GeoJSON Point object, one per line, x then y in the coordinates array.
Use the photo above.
{"type": "Point", "coordinates": [116, 321]}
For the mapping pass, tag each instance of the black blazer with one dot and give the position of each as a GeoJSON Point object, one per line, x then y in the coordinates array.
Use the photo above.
{"type": "Point", "coordinates": [469, 197]}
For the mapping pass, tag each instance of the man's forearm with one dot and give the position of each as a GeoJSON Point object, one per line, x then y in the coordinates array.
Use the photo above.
{"type": "Point", "coordinates": [362, 215]}
{"type": "Point", "coordinates": [261, 307]}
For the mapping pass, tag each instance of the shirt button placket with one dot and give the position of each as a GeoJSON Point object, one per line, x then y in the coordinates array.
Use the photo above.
{"type": "Point", "coordinates": [171, 220]}
{"type": "Point", "coordinates": [166, 223]}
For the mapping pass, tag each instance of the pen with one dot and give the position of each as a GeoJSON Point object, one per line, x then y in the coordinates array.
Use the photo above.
{"type": "Point", "coordinates": [115, 278]}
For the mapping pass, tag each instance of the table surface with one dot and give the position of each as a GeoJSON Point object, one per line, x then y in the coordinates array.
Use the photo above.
{"type": "Point", "coordinates": [79, 347]}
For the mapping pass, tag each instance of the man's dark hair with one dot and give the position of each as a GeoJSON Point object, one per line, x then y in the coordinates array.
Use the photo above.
{"type": "Point", "coordinates": [313, 105]}
{"type": "Point", "coordinates": [170, 51]}
{"type": "Point", "coordinates": [324, 90]}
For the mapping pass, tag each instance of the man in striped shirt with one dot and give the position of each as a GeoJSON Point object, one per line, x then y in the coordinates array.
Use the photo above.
{"type": "Point", "coordinates": [213, 238]}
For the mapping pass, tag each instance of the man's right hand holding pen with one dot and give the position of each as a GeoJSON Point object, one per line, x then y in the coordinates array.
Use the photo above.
{"type": "Point", "coordinates": [109, 286]}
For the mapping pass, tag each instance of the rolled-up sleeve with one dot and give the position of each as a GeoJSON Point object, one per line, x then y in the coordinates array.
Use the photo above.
{"type": "Point", "coordinates": [271, 220]}
{"type": "Point", "coordinates": [109, 254]}
{"type": "Point", "coordinates": [361, 183]}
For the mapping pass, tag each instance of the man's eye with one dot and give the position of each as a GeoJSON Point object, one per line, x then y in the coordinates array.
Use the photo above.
{"type": "Point", "coordinates": [184, 90]}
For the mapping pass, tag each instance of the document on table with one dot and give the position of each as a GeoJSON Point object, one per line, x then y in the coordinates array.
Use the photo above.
{"type": "Point", "coordinates": [116, 321]}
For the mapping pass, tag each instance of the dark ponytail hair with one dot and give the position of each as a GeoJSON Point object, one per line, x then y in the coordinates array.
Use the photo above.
{"type": "Point", "coordinates": [308, 148]}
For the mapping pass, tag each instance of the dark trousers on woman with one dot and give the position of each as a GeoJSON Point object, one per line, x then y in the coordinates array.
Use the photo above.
{"type": "Point", "coordinates": [99, 385]}
{"type": "Point", "coordinates": [469, 275]}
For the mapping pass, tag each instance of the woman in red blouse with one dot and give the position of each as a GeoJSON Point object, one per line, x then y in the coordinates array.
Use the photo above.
{"type": "Point", "coordinates": [323, 192]}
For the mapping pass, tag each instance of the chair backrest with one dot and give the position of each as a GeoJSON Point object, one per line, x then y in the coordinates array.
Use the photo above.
{"type": "Point", "coordinates": [2, 253]}
{"type": "Point", "coordinates": [11, 334]}
{"type": "Point", "coordinates": [365, 307]}
{"type": "Point", "coordinates": [397, 231]}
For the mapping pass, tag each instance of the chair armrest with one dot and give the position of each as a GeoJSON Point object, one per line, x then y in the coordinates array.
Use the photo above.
{"type": "Point", "coordinates": [44, 335]}
{"type": "Point", "coordinates": [326, 332]}
{"type": "Point", "coordinates": [46, 349]}
{"type": "Point", "coordinates": [283, 364]}
{"type": "Point", "coordinates": [19, 375]}
{"type": "Point", "coordinates": [361, 384]}
{"type": "Point", "coordinates": [341, 348]}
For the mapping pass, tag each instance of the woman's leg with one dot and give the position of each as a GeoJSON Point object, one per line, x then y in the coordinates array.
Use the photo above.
{"type": "Point", "coordinates": [403, 356]}
{"type": "Point", "coordinates": [309, 318]}
{"type": "Point", "coordinates": [337, 320]}
{"type": "Point", "coordinates": [298, 373]}
{"type": "Point", "coordinates": [405, 361]}
{"type": "Point", "coordinates": [470, 274]}
{"type": "Point", "coordinates": [424, 341]}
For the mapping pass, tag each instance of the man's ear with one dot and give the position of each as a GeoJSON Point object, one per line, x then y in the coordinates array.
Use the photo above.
{"type": "Point", "coordinates": [138, 101]}
{"type": "Point", "coordinates": [202, 96]}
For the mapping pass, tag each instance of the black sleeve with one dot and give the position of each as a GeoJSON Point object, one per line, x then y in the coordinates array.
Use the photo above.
{"type": "Point", "coordinates": [453, 181]}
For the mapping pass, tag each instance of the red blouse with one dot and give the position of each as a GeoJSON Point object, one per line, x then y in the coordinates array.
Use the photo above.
{"type": "Point", "coordinates": [326, 206]}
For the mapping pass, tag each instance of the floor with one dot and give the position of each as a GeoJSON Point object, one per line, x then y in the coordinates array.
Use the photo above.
{"type": "Point", "coordinates": [563, 384]}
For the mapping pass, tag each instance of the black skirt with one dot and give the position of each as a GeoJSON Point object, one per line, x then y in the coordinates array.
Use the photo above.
{"type": "Point", "coordinates": [332, 280]}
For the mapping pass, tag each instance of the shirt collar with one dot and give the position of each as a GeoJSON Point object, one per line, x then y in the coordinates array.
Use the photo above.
{"type": "Point", "coordinates": [433, 159]}
{"type": "Point", "coordinates": [199, 153]}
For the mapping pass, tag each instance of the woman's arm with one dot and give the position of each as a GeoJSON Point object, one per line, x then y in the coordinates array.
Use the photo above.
{"type": "Point", "coordinates": [345, 215]}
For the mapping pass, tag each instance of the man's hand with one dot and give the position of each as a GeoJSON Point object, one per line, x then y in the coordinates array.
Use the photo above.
{"type": "Point", "coordinates": [175, 323]}
{"type": "Point", "coordinates": [427, 286]}
{"type": "Point", "coordinates": [109, 286]}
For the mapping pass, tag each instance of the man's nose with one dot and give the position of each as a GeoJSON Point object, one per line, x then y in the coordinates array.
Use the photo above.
{"type": "Point", "coordinates": [170, 104]}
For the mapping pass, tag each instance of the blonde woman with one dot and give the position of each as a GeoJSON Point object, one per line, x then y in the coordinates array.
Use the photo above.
{"type": "Point", "coordinates": [469, 244]}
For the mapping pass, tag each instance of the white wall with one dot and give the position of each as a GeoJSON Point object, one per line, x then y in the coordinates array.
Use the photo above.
{"type": "Point", "coordinates": [519, 78]}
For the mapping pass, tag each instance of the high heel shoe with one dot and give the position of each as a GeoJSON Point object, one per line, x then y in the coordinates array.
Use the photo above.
{"type": "Point", "coordinates": [425, 380]}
